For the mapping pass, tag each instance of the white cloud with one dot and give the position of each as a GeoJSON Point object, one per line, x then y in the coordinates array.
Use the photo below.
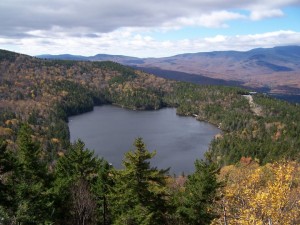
{"type": "Point", "coordinates": [215, 19]}
{"type": "Point", "coordinates": [262, 14]}
{"type": "Point", "coordinates": [147, 46]}
{"type": "Point", "coordinates": [126, 27]}
{"type": "Point", "coordinates": [271, 39]}
{"type": "Point", "coordinates": [81, 17]}
{"type": "Point", "coordinates": [216, 39]}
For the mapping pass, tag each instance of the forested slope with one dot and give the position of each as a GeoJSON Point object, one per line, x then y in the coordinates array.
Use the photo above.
{"type": "Point", "coordinates": [39, 167]}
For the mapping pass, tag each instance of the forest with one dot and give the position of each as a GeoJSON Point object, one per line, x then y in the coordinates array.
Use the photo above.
{"type": "Point", "coordinates": [249, 175]}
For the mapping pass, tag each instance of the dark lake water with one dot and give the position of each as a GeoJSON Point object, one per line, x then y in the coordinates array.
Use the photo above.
{"type": "Point", "coordinates": [288, 98]}
{"type": "Point", "coordinates": [110, 131]}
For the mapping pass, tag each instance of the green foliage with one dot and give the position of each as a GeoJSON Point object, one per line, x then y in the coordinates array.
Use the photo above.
{"type": "Point", "coordinates": [78, 162]}
{"type": "Point", "coordinates": [261, 136]}
{"type": "Point", "coordinates": [57, 62]}
{"type": "Point", "coordinates": [141, 99]}
{"type": "Point", "coordinates": [139, 194]}
{"type": "Point", "coordinates": [8, 56]}
{"type": "Point", "coordinates": [75, 98]}
{"type": "Point", "coordinates": [200, 194]}
{"type": "Point", "coordinates": [101, 188]}
{"type": "Point", "coordinates": [79, 171]}
{"type": "Point", "coordinates": [267, 138]}
{"type": "Point", "coordinates": [7, 164]}
{"type": "Point", "coordinates": [209, 103]}
{"type": "Point", "coordinates": [43, 93]}
{"type": "Point", "coordinates": [31, 181]}
{"type": "Point", "coordinates": [125, 71]}
{"type": "Point", "coordinates": [5, 114]}
{"type": "Point", "coordinates": [118, 80]}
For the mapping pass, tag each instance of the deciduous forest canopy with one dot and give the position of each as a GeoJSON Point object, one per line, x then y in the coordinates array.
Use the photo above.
{"type": "Point", "coordinates": [250, 175]}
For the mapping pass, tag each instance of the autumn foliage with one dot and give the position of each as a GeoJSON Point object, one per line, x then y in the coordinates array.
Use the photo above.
{"type": "Point", "coordinates": [254, 185]}
{"type": "Point", "coordinates": [256, 194]}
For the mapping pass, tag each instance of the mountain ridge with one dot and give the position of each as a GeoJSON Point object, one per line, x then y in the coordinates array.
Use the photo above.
{"type": "Point", "coordinates": [60, 56]}
{"type": "Point", "coordinates": [42, 167]}
{"type": "Point", "coordinates": [276, 69]}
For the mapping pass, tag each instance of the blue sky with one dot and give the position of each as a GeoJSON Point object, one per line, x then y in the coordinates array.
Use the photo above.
{"type": "Point", "coordinates": [148, 28]}
{"type": "Point", "coordinates": [289, 21]}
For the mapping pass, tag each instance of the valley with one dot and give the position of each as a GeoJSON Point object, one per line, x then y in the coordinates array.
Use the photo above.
{"type": "Point", "coordinates": [273, 70]}
{"type": "Point", "coordinates": [149, 112]}
{"type": "Point", "coordinates": [176, 140]}
{"type": "Point", "coordinates": [46, 92]}
{"type": "Point", "coordinates": [44, 172]}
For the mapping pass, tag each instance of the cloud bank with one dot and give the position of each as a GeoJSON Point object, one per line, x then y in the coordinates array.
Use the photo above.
{"type": "Point", "coordinates": [81, 26]}
{"type": "Point", "coordinates": [124, 42]}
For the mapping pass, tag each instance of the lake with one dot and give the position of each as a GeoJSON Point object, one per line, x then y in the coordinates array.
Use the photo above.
{"type": "Point", "coordinates": [110, 131]}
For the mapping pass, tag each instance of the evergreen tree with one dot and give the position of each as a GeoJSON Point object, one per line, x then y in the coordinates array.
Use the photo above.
{"type": "Point", "coordinates": [101, 188]}
{"type": "Point", "coordinates": [139, 194]}
{"type": "Point", "coordinates": [200, 194]}
{"type": "Point", "coordinates": [77, 176]}
{"type": "Point", "coordinates": [31, 182]}
{"type": "Point", "coordinates": [7, 162]}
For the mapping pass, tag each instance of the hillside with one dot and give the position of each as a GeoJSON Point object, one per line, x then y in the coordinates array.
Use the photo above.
{"type": "Point", "coordinates": [45, 179]}
{"type": "Point", "coordinates": [45, 92]}
{"type": "Point", "coordinates": [252, 68]}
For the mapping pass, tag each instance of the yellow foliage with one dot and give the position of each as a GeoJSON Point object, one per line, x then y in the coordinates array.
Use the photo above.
{"type": "Point", "coordinates": [261, 195]}
{"type": "Point", "coordinates": [64, 93]}
{"type": "Point", "coordinates": [11, 122]}
{"type": "Point", "coordinates": [55, 140]}
{"type": "Point", "coordinates": [60, 153]}
{"type": "Point", "coordinates": [5, 131]}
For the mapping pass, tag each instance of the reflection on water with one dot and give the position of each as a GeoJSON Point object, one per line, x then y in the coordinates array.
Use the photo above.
{"type": "Point", "coordinates": [110, 131]}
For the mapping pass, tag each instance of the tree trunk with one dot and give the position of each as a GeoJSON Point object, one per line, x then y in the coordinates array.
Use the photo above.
{"type": "Point", "coordinates": [224, 214]}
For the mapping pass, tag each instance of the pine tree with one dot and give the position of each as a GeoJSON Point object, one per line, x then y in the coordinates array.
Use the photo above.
{"type": "Point", "coordinates": [31, 182]}
{"type": "Point", "coordinates": [139, 194]}
{"type": "Point", "coordinates": [200, 194]}
{"type": "Point", "coordinates": [77, 177]}
{"type": "Point", "coordinates": [7, 163]}
{"type": "Point", "coordinates": [101, 189]}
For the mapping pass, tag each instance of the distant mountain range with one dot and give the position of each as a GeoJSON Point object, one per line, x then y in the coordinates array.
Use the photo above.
{"type": "Point", "coordinates": [275, 70]}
